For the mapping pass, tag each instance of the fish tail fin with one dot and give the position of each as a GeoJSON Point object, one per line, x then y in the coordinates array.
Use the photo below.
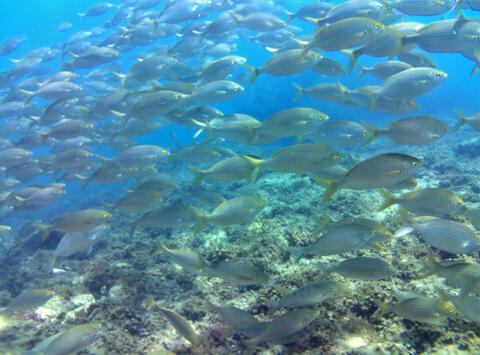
{"type": "Point", "coordinates": [373, 100]}
{"type": "Point", "coordinates": [372, 132]}
{"type": "Point", "coordinates": [110, 206]}
{"type": "Point", "coordinates": [388, 200]}
{"type": "Point", "coordinates": [133, 229]}
{"type": "Point", "coordinates": [30, 95]}
{"type": "Point", "coordinates": [161, 251]}
{"type": "Point", "coordinates": [406, 40]}
{"type": "Point", "coordinates": [342, 88]}
{"type": "Point", "coordinates": [429, 267]}
{"type": "Point", "coordinates": [272, 306]}
{"type": "Point", "coordinates": [297, 252]}
{"type": "Point", "coordinates": [258, 167]}
{"type": "Point", "coordinates": [475, 69]}
{"type": "Point", "coordinates": [353, 56]}
{"type": "Point", "coordinates": [197, 173]}
{"type": "Point", "coordinates": [203, 126]}
{"type": "Point", "coordinates": [363, 71]}
{"type": "Point", "coordinates": [462, 119]}
{"type": "Point", "coordinates": [254, 71]}
{"type": "Point", "coordinates": [42, 228]}
{"type": "Point", "coordinates": [331, 188]}
{"type": "Point", "coordinates": [384, 308]}
{"type": "Point", "coordinates": [85, 182]}
{"type": "Point", "coordinates": [200, 220]}
{"type": "Point", "coordinates": [300, 93]}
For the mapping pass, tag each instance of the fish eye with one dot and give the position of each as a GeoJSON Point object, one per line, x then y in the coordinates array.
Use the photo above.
{"type": "Point", "coordinates": [177, 96]}
{"type": "Point", "coordinates": [377, 26]}
{"type": "Point", "coordinates": [336, 157]}
{"type": "Point", "coordinates": [414, 163]}
{"type": "Point", "coordinates": [364, 133]}
{"type": "Point", "coordinates": [445, 129]}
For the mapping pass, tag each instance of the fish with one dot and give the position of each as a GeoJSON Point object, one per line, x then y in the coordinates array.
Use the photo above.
{"type": "Point", "coordinates": [465, 276]}
{"type": "Point", "coordinates": [285, 325]}
{"type": "Point", "coordinates": [28, 299]}
{"type": "Point", "coordinates": [173, 216]}
{"type": "Point", "coordinates": [78, 221]}
{"type": "Point", "coordinates": [384, 70]}
{"type": "Point", "coordinates": [74, 339]}
{"type": "Point", "coordinates": [230, 169]}
{"type": "Point", "coordinates": [180, 325]}
{"type": "Point", "coordinates": [409, 83]}
{"type": "Point", "coordinates": [237, 272]}
{"type": "Point", "coordinates": [299, 158]}
{"type": "Point", "coordinates": [291, 122]}
{"type": "Point", "coordinates": [188, 260]}
{"type": "Point", "coordinates": [75, 242]}
{"type": "Point", "coordinates": [383, 170]}
{"type": "Point", "coordinates": [216, 91]}
{"type": "Point", "coordinates": [96, 10]}
{"type": "Point", "coordinates": [195, 154]}
{"type": "Point", "coordinates": [426, 8]}
{"type": "Point", "coordinates": [342, 237]}
{"type": "Point", "coordinates": [238, 210]}
{"type": "Point", "coordinates": [430, 201]}
{"type": "Point", "coordinates": [347, 33]}
{"type": "Point", "coordinates": [260, 21]}
{"type": "Point", "coordinates": [238, 320]}
{"type": "Point", "coordinates": [310, 295]}
{"type": "Point", "coordinates": [413, 130]}
{"type": "Point", "coordinates": [329, 67]}
{"type": "Point", "coordinates": [330, 92]}
{"type": "Point", "coordinates": [289, 62]}
{"type": "Point", "coordinates": [447, 235]}
{"type": "Point", "coordinates": [363, 268]}
{"type": "Point", "coordinates": [10, 45]}
{"type": "Point", "coordinates": [340, 133]}
{"type": "Point", "coordinates": [135, 201]}
{"type": "Point", "coordinates": [430, 310]}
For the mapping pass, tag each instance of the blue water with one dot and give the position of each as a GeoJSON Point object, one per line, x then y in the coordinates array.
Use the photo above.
{"type": "Point", "coordinates": [38, 20]}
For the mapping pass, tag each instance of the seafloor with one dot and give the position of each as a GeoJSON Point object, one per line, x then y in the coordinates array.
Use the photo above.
{"type": "Point", "coordinates": [110, 285]}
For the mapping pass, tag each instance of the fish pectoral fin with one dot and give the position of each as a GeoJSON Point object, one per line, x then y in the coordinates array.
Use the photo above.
{"type": "Point", "coordinates": [394, 172]}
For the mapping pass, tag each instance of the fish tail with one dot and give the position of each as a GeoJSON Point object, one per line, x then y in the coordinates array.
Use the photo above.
{"type": "Point", "coordinates": [372, 132]}
{"type": "Point", "coordinates": [388, 200]}
{"type": "Point", "coordinates": [255, 72]}
{"type": "Point", "coordinates": [272, 306]}
{"type": "Point", "coordinates": [462, 119]}
{"type": "Point", "coordinates": [342, 88]}
{"type": "Point", "coordinates": [42, 228]}
{"type": "Point", "coordinates": [430, 267]}
{"type": "Point", "coordinates": [297, 252]}
{"type": "Point", "coordinates": [133, 229]}
{"type": "Point", "coordinates": [197, 173]}
{"type": "Point", "coordinates": [301, 91]}
{"type": "Point", "coordinates": [353, 56]}
{"type": "Point", "coordinates": [200, 223]}
{"type": "Point", "coordinates": [384, 309]}
{"type": "Point", "coordinates": [373, 100]}
{"type": "Point", "coordinates": [363, 71]}
{"type": "Point", "coordinates": [258, 167]}
{"type": "Point", "coordinates": [407, 40]}
{"type": "Point", "coordinates": [85, 182]}
{"type": "Point", "coordinates": [331, 188]}
{"type": "Point", "coordinates": [110, 206]}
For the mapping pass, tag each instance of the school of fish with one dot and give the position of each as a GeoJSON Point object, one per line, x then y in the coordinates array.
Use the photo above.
{"type": "Point", "coordinates": [156, 64]}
